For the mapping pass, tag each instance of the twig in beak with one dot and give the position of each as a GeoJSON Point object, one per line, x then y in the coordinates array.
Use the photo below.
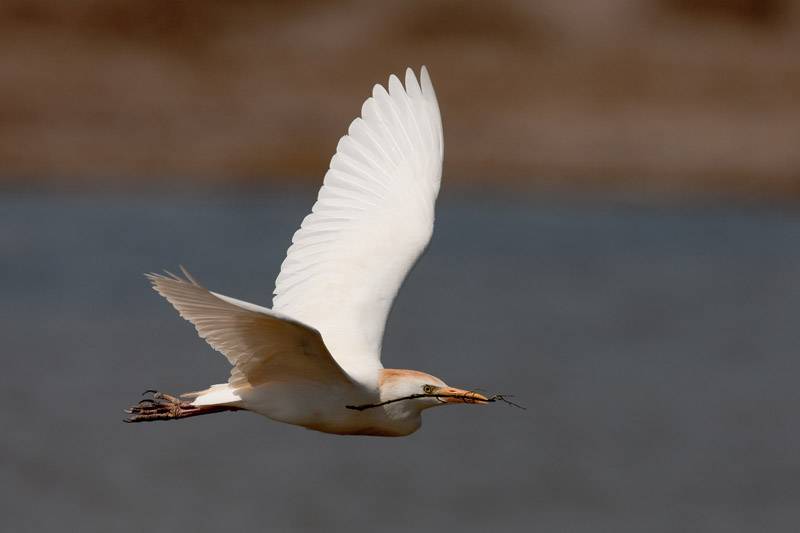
{"type": "Point", "coordinates": [495, 398]}
{"type": "Point", "coordinates": [502, 398]}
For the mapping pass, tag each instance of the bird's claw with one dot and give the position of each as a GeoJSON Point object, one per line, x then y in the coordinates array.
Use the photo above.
{"type": "Point", "coordinates": [171, 408]}
{"type": "Point", "coordinates": [149, 409]}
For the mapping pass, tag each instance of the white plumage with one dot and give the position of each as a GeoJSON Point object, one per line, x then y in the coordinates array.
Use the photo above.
{"type": "Point", "coordinates": [371, 223]}
{"type": "Point", "coordinates": [314, 358]}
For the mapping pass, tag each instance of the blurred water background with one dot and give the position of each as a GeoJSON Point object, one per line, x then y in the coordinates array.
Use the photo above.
{"type": "Point", "coordinates": [654, 347]}
{"type": "Point", "coordinates": [616, 246]}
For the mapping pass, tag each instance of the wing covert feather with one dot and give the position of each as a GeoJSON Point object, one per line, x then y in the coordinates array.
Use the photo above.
{"type": "Point", "coordinates": [263, 345]}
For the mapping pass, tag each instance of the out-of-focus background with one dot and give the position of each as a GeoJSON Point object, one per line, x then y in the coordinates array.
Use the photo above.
{"type": "Point", "coordinates": [694, 96]}
{"type": "Point", "coordinates": [616, 245]}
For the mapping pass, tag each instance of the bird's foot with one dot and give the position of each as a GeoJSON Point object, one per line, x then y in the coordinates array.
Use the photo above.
{"type": "Point", "coordinates": [165, 407]}
{"type": "Point", "coordinates": [149, 409]}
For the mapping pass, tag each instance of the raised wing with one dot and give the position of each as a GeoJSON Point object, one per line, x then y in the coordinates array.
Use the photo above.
{"type": "Point", "coordinates": [262, 345]}
{"type": "Point", "coordinates": [372, 221]}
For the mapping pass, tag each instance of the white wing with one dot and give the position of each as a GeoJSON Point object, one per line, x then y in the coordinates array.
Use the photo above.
{"type": "Point", "coordinates": [372, 221]}
{"type": "Point", "coordinates": [262, 345]}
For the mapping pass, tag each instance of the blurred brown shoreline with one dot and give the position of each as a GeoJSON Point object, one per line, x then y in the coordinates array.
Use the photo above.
{"type": "Point", "coordinates": [685, 97]}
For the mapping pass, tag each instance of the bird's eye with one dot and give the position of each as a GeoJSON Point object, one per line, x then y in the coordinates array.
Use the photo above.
{"type": "Point", "coordinates": [428, 389]}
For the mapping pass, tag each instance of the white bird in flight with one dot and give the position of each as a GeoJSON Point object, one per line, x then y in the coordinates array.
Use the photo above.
{"type": "Point", "coordinates": [314, 359]}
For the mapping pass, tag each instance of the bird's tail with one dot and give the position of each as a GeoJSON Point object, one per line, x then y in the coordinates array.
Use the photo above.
{"type": "Point", "coordinates": [220, 394]}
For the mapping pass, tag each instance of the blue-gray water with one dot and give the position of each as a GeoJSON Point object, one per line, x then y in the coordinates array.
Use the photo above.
{"type": "Point", "coordinates": [655, 347]}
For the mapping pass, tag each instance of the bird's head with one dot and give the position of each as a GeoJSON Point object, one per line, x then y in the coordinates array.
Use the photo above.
{"type": "Point", "coordinates": [404, 394]}
{"type": "Point", "coordinates": [421, 391]}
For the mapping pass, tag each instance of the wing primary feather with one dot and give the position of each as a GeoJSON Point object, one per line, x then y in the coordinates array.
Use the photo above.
{"type": "Point", "coordinates": [384, 180]}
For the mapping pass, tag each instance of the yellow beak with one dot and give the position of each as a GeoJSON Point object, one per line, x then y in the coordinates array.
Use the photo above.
{"type": "Point", "coordinates": [451, 395]}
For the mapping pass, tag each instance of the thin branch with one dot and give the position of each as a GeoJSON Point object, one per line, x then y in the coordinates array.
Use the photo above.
{"type": "Point", "coordinates": [502, 398]}
{"type": "Point", "coordinates": [442, 398]}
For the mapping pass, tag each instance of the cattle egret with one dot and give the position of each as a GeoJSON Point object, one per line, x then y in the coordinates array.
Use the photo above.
{"type": "Point", "coordinates": [314, 359]}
